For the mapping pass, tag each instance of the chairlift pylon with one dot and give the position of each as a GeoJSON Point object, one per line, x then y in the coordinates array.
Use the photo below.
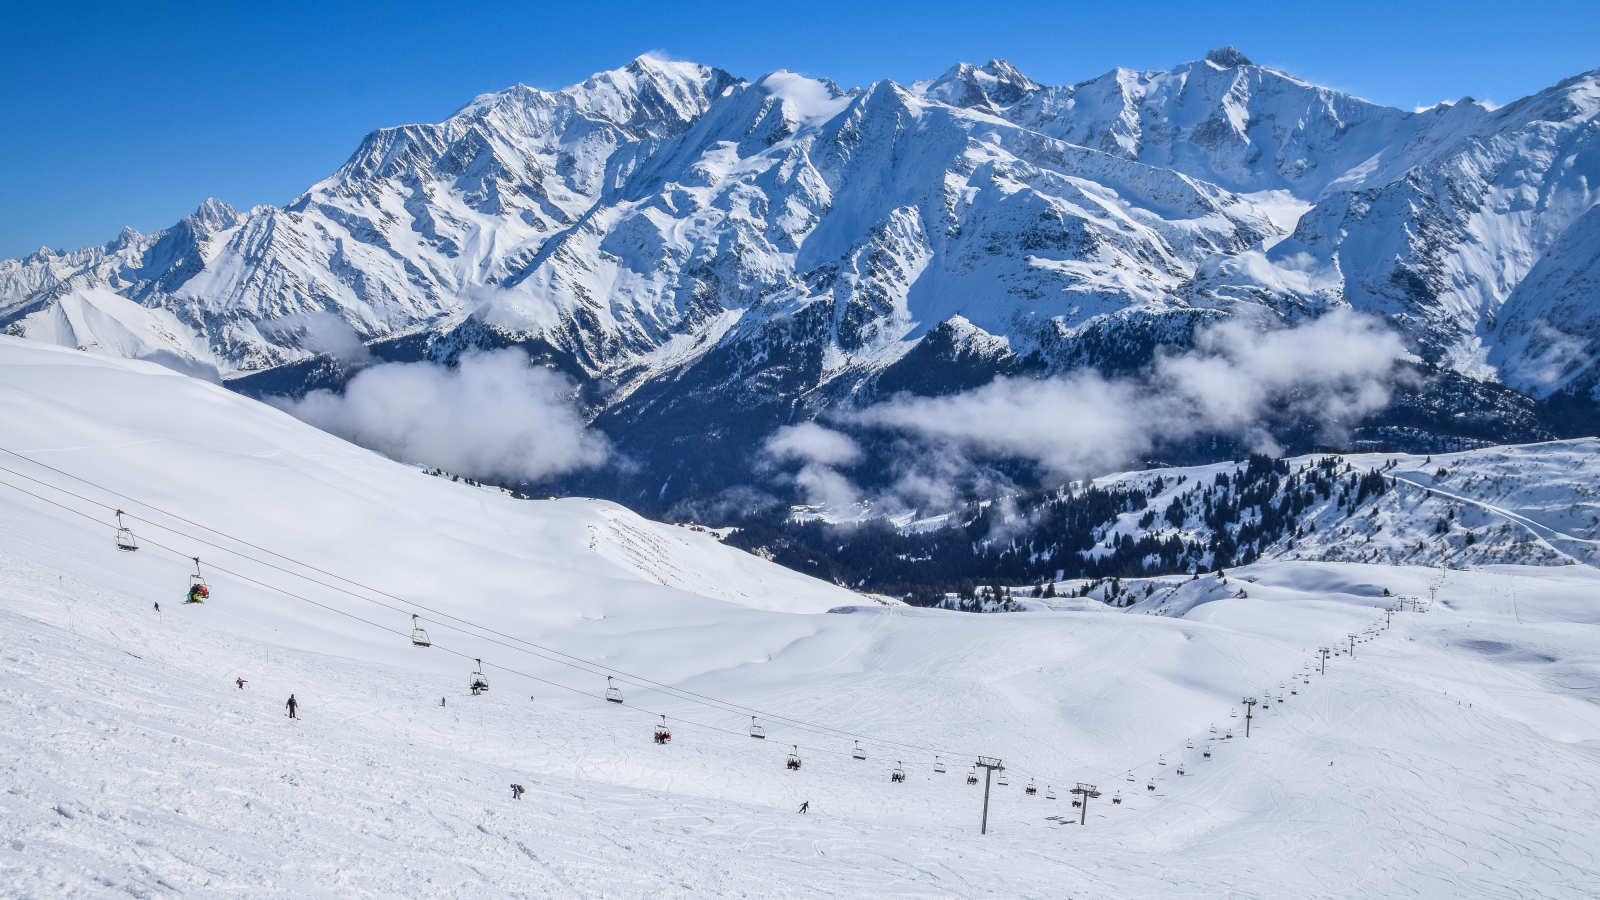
{"type": "Point", "coordinates": [477, 681]}
{"type": "Point", "coordinates": [419, 638]}
{"type": "Point", "coordinates": [793, 763]}
{"type": "Point", "coordinates": [613, 693]}
{"type": "Point", "coordinates": [858, 752]}
{"type": "Point", "coordinates": [663, 733]}
{"type": "Point", "coordinates": [199, 591]}
{"type": "Point", "coordinates": [125, 539]}
{"type": "Point", "coordinates": [756, 731]}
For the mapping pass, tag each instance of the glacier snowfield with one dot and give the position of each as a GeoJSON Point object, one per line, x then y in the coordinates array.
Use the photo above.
{"type": "Point", "coordinates": [1457, 754]}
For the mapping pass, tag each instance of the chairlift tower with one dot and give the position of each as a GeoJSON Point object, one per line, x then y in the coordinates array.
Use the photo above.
{"type": "Point", "coordinates": [1322, 667]}
{"type": "Point", "coordinates": [1085, 791]}
{"type": "Point", "coordinates": [1352, 645]}
{"type": "Point", "coordinates": [1249, 709]}
{"type": "Point", "coordinates": [989, 766]}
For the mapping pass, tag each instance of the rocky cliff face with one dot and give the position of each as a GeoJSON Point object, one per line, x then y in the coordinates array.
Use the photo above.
{"type": "Point", "coordinates": [713, 257]}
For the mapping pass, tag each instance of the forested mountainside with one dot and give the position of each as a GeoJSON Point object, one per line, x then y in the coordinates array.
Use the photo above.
{"type": "Point", "coordinates": [1527, 505]}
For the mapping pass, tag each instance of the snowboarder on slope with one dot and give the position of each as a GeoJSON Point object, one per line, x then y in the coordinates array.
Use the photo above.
{"type": "Point", "coordinates": [805, 806]}
{"type": "Point", "coordinates": [292, 706]}
{"type": "Point", "coordinates": [240, 682]}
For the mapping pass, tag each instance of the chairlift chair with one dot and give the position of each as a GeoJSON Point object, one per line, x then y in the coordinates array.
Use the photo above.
{"type": "Point", "coordinates": [1161, 760]}
{"type": "Point", "coordinates": [125, 539]}
{"type": "Point", "coordinates": [477, 681]}
{"type": "Point", "coordinates": [1233, 714]}
{"type": "Point", "coordinates": [613, 693]}
{"type": "Point", "coordinates": [1001, 781]}
{"type": "Point", "coordinates": [898, 775]}
{"type": "Point", "coordinates": [1030, 790]}
{"type": "Point", "coordinates": [1115, 799]}
{"type": "Point", "coordinates": [199, 591]}
{"type": "Point", "coordinates": [663, 733]}
{"type": "Point", "coordinates": [972, 777]}
{"type": "Point", "coordinates": [756, 731]}
{"type": "Point", "coordinates": [1190, 745]}
{"type": "Point", "coordinates": [1049, 794]}
{"type": "Point", "coordinates": [1180, 769]}
{"type": "Point", "coordinates": [1151, 786]}
{"type": "Point", "coordinates": [1130, 774]}
{"type": "Point", "coordinates": [938, 765]}
{"type": "Point", "coordinates": [858, 753]}
{"type": "Point", "coordinates": [1228, 736]}
{"type": "Point", "coordinates": [1077, 803]}
{"type": "Point", "coordinates": [419, 638]}
{"type": "Point", "coordinates": [793, 762]}
{"type": "Point", "coordinates": [1206, 753]}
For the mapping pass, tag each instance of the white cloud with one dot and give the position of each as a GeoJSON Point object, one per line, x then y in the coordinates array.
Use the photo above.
{"type": "Point", "coordinates": [493, 417]}
{"type": "Point", "coordinates": [821, 449]}
{"type": "Point", "coordinates": [811, 442]}
{"type": "Point", "coordinates": [1237, 377]}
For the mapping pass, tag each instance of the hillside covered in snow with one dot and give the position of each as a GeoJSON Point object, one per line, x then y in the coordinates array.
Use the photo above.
{"type": "Point", "coordinates": [711, 258]}
{"type": "Point", "coordinates": [147, 751]}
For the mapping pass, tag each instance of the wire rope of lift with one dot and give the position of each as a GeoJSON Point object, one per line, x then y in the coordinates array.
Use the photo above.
{"type": "Point", "coordinates": [576, 662]}
{"type": "Point", "coordinates": [566, 659]}
{"type": "Point", "coordinates": [408, 634]}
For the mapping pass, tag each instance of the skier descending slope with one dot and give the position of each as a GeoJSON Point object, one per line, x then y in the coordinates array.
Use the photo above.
{"type": "Point", "coordinates": [292, 706]}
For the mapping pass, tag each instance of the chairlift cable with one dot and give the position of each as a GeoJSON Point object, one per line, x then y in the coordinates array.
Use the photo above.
{"type": "Point", "coordinates": [577, 662]}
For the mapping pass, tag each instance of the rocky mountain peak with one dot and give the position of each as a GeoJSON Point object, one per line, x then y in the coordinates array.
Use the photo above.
{"type": "Point", "coordinates": [1228, 57]}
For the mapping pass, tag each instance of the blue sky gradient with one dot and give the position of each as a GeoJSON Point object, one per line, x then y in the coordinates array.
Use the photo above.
{"type": "Point", "coordinates": [132, 114]}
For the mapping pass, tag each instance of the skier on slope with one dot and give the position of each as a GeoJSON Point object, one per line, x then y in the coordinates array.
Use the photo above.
{"type": "Point", "coordinates": [240, 682]}
{"type": "Point", "coordinates": [516, 792]}
{"type": "Point", "coordinates": [158, 607]}
{"type": "Point", "coordinates": [805, 805]}
{"type": "Point", "coordinates": [292, 706]}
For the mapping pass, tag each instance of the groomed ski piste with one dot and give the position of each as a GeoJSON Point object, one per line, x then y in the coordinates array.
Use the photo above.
{"type": "Point", "coordinates": [1456, 754]}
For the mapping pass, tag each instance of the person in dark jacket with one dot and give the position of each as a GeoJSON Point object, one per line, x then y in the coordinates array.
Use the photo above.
{"type": "Point", "coordinates": [292, 706]}
{"type": "Point", "coordinates": [805, 806]}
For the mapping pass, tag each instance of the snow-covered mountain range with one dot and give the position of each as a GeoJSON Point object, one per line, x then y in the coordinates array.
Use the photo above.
{"type": "Point", "coordinates": [713, 257]}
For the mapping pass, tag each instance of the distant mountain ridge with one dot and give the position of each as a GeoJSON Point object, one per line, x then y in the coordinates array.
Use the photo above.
{"type": "Point", "coordinates": [713, 257]}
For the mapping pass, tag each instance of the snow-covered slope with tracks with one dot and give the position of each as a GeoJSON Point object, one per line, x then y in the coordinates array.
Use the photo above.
{"type": "Point", "coordinates": [134, 765]}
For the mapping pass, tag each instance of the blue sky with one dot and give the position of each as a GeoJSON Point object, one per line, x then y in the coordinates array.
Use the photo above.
{"type": "Point", "coordinates": [133, 113]}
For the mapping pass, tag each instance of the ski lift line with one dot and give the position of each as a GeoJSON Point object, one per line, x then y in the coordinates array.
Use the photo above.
{"type": "Point", "coordinates": [639, 681]}
{"type": "Point", "coordinates": [581, 664]}
{"type": "Point", "coordinates": [398, 633]}
{"type": "Point", "coordinates": [402, 634]}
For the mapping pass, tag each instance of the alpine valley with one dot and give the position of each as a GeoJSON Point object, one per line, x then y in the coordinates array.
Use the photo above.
{"type": "Point", "coordinates": [711, 258]}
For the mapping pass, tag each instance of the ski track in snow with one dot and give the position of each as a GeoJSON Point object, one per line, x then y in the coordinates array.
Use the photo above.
{"type": "Point", "coordinates": [1464, 740]}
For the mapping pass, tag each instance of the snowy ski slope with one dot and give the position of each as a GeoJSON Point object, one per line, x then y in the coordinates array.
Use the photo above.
{"type": "Point", "coordinates": [1456, 755]}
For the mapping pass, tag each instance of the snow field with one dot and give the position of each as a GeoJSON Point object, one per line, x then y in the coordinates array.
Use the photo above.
{"type": "Point", "coordinates": [1464, 740]}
